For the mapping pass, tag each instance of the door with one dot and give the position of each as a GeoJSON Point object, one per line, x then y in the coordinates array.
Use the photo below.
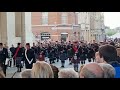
{"type": "Point", "coordinates": [64, 37]}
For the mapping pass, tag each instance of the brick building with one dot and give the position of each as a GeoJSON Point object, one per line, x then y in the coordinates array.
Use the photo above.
{"type": "Point", "coordinates": [55, 26]}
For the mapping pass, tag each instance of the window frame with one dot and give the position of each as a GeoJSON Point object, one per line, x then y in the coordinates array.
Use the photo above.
{"type": "Point", "coordinates": [64, 18]}
{"type": "Point", "coordinates": [44, 18]}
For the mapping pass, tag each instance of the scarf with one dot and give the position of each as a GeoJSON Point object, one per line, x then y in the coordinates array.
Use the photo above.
{"type": "Point", "coordinates": [27, 57]}
{"type": "Point", "coordinates": [16, 53]}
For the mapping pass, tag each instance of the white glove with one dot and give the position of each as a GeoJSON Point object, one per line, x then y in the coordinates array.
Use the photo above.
{"type": "Point", "coordinates": [7, 60]}
{"type": "Point", "coordinates": [22, 62]}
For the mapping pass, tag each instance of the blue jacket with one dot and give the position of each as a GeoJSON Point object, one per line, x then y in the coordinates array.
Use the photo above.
{"type": "Point", "coordinates": [116, 65]}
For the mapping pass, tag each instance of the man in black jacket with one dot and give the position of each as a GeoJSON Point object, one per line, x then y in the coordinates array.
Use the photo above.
{"type": "Point", "coordinates": [29, 57]}
{"type": "Point", "coordinates": [3, 57]}
{"type": "Point", "coordinates": [35, 50]}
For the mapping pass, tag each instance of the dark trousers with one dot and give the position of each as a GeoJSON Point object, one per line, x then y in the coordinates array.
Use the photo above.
{"type": "Point", "coordinates": [70, 60]}
{"type": "Point", "coordinates": [14, 62]}
{"type": "Point", "coordinates": [82, 61]}
{"type": "Point", "coordinates": [76, 67]}
{"type": "Point", "coordinates": [10, 63]}
{"type": "Point", "coordinates": [4, 67]}
{"type": "Point", "coordinates": [28, 66]}
{"type": "Point", "coordinates": [18, 63]}
{"type": "Point", "coordinates": [89, 59]}
{"type": "Point", "coordinates": [57, 59]}
{"type": "Point", "coordinates": [93, 59]}
{"type": "Point", "coordinates": [62, 63]}
{"type": "Point", "coordinates": [50, 60]}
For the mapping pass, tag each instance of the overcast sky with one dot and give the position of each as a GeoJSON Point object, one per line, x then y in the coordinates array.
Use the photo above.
{"type": "Point", "coordinates": [112, 19]}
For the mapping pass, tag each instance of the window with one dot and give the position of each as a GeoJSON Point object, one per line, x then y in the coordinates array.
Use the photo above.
{"type": "Point", "coordinates": [44, 18]}
{"type": "Point", "coordinates": [86, 27]}
{"type": "Point", "coordinates": [64, 18]}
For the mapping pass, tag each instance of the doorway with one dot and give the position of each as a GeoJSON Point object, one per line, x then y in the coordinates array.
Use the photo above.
{"type": "Point", "coordinates": [64, 36]}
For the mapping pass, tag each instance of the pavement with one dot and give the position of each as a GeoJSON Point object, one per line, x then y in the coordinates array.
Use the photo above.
{"type": "Point", "coordinates": [11, 70]}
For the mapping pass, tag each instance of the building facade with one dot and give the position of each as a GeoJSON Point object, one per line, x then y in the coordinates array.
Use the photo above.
{"type": "Point", "coordinates": [92, 26]}
{"type": "Point", "coordinates": [117, 29]}
{"type": "Point", "coordinates": [84, 23]}
{"type": "Point", "coordinates": [28, 27]}
{"type": "Point", "coordinates": [55, 26]}
{"type": "Point", "coordinates": [15, 27]}
{"type": "Point", "coordinates": [97, 26]}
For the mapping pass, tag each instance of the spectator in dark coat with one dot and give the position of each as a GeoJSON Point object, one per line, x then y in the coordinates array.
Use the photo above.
{"type": "Point", "coordinates": [51, 55]}
{"type": "Point", "coordinates": [90, 53]}
{"type": "Point", "coordinates": [70, 54]}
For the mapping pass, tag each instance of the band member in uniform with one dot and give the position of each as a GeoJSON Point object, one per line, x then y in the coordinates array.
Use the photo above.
{"type": "Point", "coordinates": [95, 47]}
{"type": "Point", "coordinates": [35, 50]}
{"type": "Point", "coordinates": [63, 57]}
{"type": "Point", "coordinates": [75, 61]}
{"type": "Point", "coordinates": [75, 51]}
{"type": "Point", "coordinates": [50, 54]}
{"type": "Point", "coordinates": [90, 53]}
{"type": "Point", "coordinates": [83, 54]}
{"type": "Point", "coordinates": [70, 54]}
{"type": "Point", "coordinates": [57, 53]}
{"type": "Point", "coordinates": [3, 57]}
{"type": "Point", "coordinates": [18, 56]}
{"type": "Point", "coordinates": [38, 50]}
{"type": "Point", "coordinates": [29, 57]}
{"type": "Point", "coordinates": [79, 54]}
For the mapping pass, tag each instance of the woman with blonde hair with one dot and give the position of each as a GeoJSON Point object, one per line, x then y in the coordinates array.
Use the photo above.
{"type": "Point", "coordinates": [41, 69]}
{"type": "Point", "coordinates": [26, 73]}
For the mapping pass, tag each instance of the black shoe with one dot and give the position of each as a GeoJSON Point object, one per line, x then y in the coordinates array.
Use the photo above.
{"type": "Point", "coordinates": [76, 70]}
{"type": "Point", "coordinates": [20, 70]}
{"type": "Point", "coordinates": [53, 62]}
{"type": "Point", "coordinates": [89, 60]}
{"type": "Point", "coordinates": [62, 66]}
{"type": "Point", "coordinates": [57, 60]}
{"type": "Point", "coordinates": [50, 62]}
{"type": "Point", "coordinates": [70, 63]}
